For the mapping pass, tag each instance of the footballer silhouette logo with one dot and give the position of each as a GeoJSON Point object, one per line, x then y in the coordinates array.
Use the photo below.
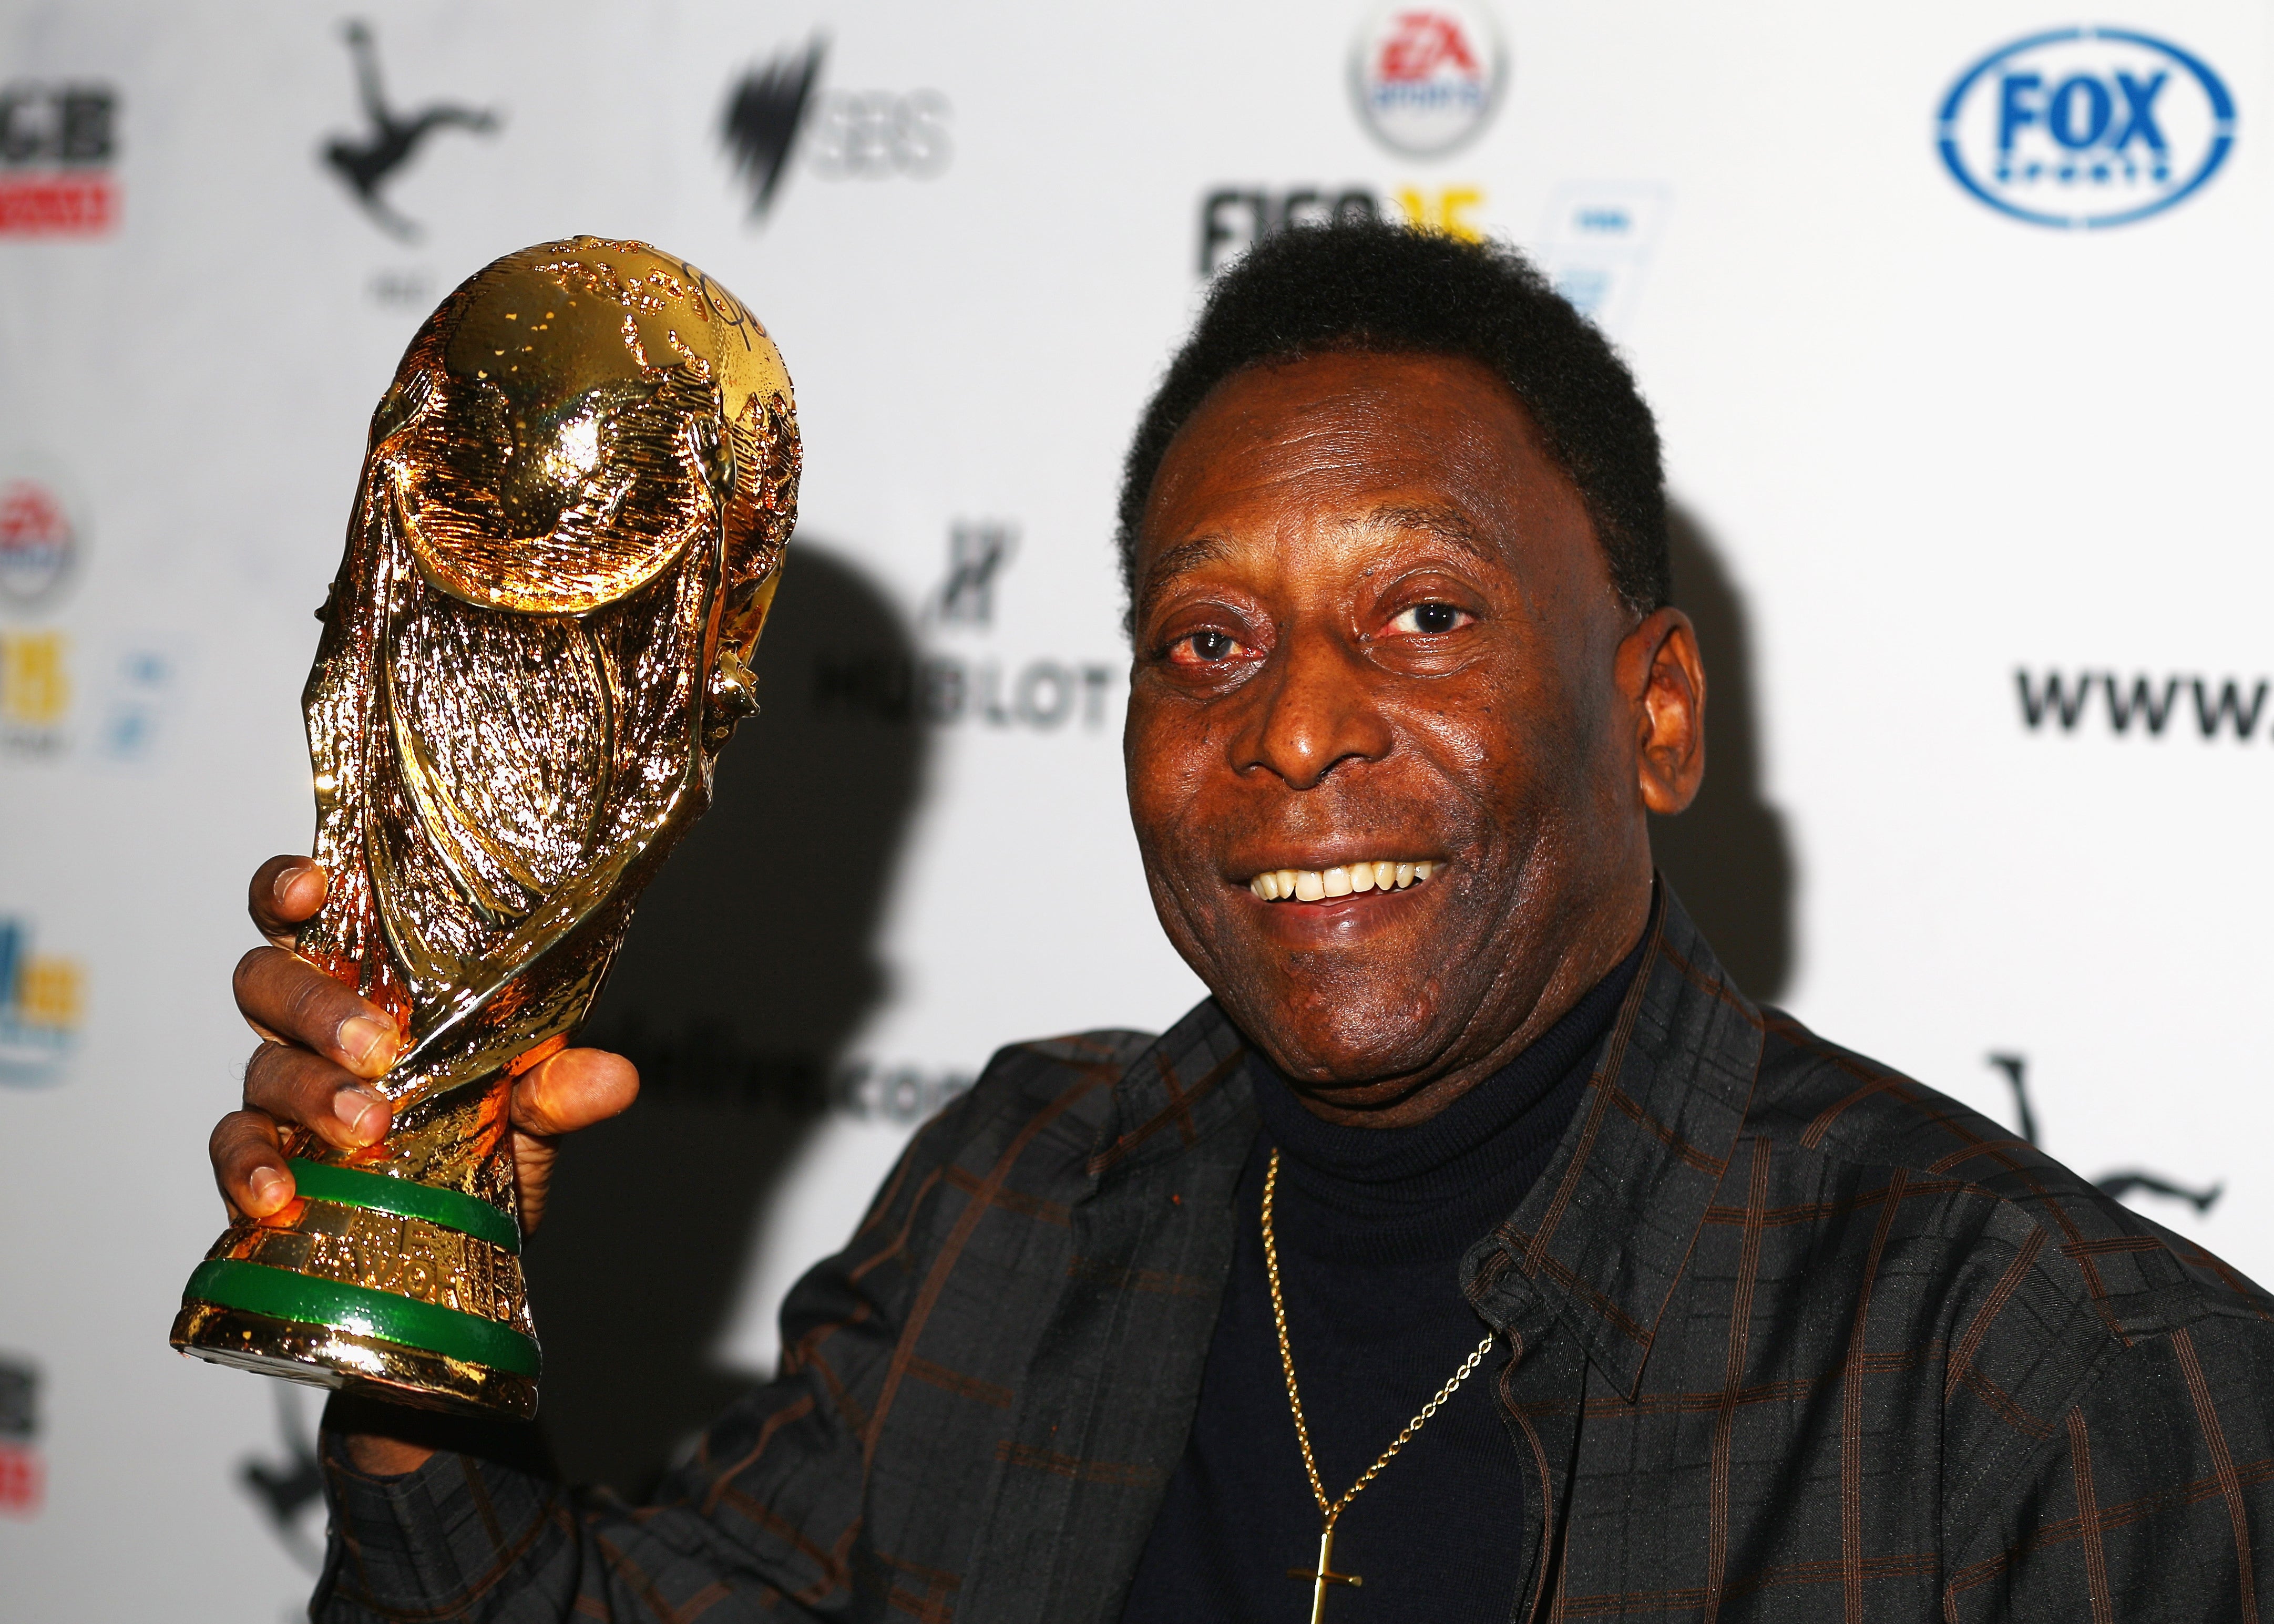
{"type": "Point", "coordinates": [368, 162]}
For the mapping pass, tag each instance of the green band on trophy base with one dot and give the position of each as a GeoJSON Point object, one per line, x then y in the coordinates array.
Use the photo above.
{"type": "Point", "coordinates": [284, 1295]}
{"type": "Point", "coordinates": [324, 1181]}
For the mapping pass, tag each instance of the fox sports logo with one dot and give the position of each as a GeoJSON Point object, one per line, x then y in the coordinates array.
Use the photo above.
{"type": "Point", "coordinates": [2086, 127]}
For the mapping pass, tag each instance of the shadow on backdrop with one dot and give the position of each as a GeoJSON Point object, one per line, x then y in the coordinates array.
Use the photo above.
{"type": "Point", "coordinates": [1728, 856]}
{"type": "Point", "coordinates": [751, 962]}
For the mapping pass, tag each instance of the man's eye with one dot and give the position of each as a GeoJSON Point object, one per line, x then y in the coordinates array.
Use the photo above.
{"type": "Point", "coordinates": [1204, 648]}
{"type": "Point", "coordinates": [1428, 620]}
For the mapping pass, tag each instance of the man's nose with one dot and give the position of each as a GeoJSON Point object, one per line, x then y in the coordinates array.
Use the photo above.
{"type": "Point", "coordinates": [1314, 709]}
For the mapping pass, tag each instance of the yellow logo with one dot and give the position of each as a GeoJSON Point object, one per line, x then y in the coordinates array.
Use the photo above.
{"type": "Point", "coordinates": [1449, 209]}
{"type": "Point", "coordinates": [34, 685]}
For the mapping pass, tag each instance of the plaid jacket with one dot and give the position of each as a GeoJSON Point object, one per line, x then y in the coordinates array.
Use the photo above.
{"type": "Point", "coordinates": [1788, 1337]}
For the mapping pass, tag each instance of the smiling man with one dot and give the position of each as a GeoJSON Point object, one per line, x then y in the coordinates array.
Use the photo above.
{"type": "Point", "coordinates": [1478, 1250]}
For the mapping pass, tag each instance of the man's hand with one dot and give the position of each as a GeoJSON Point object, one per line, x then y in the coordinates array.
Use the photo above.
{"type": "Point", "coordinates": [322, 1045]}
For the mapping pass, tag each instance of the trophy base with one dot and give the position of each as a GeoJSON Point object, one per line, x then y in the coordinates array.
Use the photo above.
{"type": "Point", "coordinates": [323, 1355]}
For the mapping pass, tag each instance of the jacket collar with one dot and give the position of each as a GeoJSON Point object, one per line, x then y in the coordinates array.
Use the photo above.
{"type": "Point", "coordinates": [1605, 1231]}
{"type": "Point", "coordinates": [1603, 1234]}
{"type": "Point", "coordinates": [1177, 1098]}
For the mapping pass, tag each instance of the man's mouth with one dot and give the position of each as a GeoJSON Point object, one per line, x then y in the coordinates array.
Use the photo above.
{"type": "Point", "coordinates": [1313, 884]}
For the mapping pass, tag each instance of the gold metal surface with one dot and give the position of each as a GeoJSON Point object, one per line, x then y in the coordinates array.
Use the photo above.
{"type": "Point", "coordinates": [1330, 1511]}
{"type": "Point", "coordinates": [324, 1358]}
{"type": "Point", "coordinates": [572, 515]}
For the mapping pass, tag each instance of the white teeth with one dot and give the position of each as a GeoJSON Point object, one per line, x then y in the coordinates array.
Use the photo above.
{"type": "Point", "coordinates": [1313, 884]}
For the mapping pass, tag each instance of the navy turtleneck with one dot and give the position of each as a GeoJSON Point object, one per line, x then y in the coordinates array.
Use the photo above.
{"type": "Point", "coordinates": [1372, 1224]}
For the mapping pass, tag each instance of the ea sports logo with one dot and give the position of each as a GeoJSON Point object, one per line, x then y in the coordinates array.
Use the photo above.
{"type": "Point", "coordinates": [38, 541]}
{"type": "Point", "coordinates": [1427, 77]}
{"type": "Point", "coordinates": [2086, 127]}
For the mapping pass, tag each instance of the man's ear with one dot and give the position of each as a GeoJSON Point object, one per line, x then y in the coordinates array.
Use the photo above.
{"type": "Point", "coordinates": [1664, 678]}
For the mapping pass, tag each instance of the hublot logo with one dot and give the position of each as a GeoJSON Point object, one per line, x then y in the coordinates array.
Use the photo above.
{"type": "Point", "coordinates": [976, 552]}
{"type": "Point", "coordinates": [947, 689]}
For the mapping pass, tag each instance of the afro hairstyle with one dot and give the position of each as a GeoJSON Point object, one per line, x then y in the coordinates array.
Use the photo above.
{"type": "Point", "coordinates": [1371, 286]}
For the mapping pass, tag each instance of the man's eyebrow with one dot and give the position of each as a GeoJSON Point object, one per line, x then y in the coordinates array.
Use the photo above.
{"type": "Point", "coordinates": [1448, 524]}
{"type": "Point", "coordinates": [1174, 562]}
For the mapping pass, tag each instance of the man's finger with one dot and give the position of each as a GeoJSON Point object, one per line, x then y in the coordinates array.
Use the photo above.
{"type": "Point", "coordinates": [249, 1164]}
{"type": "Point", "coordinates": [574, 1089]}
{"type": "Point", "coordinates": [286, 997]}
{"type": "Point", "coordinates": [291, 1085]}
{"type": "Point", "coordinates": [285, 893]}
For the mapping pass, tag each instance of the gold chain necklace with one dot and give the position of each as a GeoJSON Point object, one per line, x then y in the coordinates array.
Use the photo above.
{"type": "Point", "coordinates": [1323, 1575]}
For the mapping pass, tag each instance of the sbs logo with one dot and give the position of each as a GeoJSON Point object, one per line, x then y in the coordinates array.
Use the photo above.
{"type": "Point", "coordinates": [2085, 127]}
{"type": "Point", "coordinates": [1428, 78]}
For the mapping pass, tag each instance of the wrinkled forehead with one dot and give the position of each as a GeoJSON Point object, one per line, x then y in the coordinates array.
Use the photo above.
{"type": "Point", "coordinates": [1348, 426]}
{"type": "Point", "coordinates": [552, 322]}
{"type": "Point", "coordinates": [1352, 461]}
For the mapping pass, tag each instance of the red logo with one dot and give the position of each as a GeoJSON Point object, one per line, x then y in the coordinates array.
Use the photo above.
{"type": "Point", "coordinates": [1427, 78]}
{"type": "Point", "coordinates": [37, 542]}
{"type": "Point", "coordinates": [31, 517]}
{"type": "Point", "coordinates": [23, 1480]}
{"type": "Point", "coordinates": [1421, 43]}
{"type": "Point", "coordinates": [57, 206]}
{"type": "Point", "coordinates": [56, 145]}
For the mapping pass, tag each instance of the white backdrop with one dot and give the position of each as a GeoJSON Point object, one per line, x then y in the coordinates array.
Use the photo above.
{"type": "Point", "coordinates": [1925, 446]}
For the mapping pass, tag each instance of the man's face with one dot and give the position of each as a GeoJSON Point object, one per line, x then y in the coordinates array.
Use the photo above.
{"type": "Point", "coordinates": [1373, 626]}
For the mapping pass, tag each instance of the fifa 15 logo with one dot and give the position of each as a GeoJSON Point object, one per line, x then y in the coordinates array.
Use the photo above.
{"type": "Point", "coordinates": [35, 687]}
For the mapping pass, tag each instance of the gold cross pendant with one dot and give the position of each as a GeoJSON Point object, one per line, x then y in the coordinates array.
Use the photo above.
{"type": "Point", "coordinates": [1324, 1575]}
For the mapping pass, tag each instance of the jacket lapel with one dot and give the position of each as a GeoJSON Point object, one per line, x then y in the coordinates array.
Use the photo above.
{"type": "Point", "coordinates": [1604, 1235]}
{"type": "Point", "coordinates": [1595, 1249]}
{"type": "Point", "coordinates": [1110, 1391]}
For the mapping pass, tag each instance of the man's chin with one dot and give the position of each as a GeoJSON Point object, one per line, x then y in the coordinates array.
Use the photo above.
{"type": "Point", "coordinates": [1362, 1010]}
{"type": "Point", "coordinates": [1347, 1053]}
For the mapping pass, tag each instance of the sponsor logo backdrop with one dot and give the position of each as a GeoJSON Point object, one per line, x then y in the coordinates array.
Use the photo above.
{"type": "Point", "coordinates": [1953, 315]}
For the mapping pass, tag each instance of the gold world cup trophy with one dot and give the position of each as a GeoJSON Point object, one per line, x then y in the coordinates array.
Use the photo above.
{"type": "Point", "coordinates": [571, 519]}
